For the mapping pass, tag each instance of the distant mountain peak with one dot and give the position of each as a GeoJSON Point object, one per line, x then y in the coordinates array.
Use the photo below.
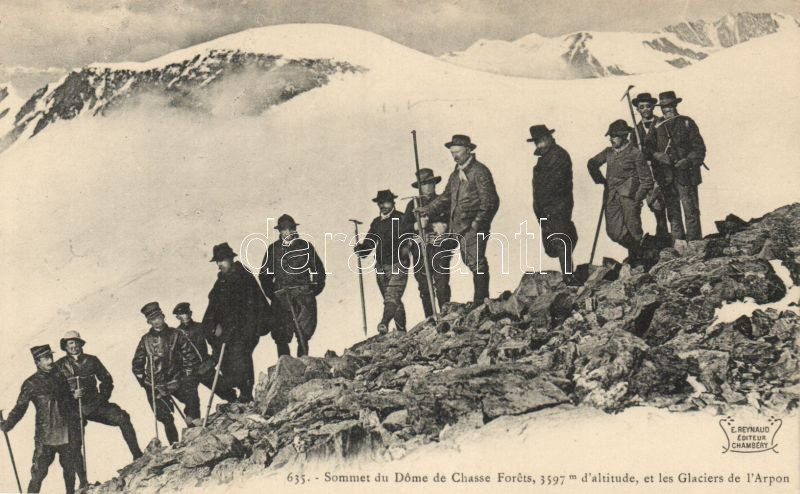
{"type": "Point", "coordinates": [585, 54]}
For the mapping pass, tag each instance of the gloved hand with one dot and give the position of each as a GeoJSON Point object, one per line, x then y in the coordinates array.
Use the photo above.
{"type": "Point", "coordinates": [682, 163]}
{"type": "Point", "coordinates": [662, 158]}
{"type": "Point", "coordinates": [77, 393]}
{"type": "Point", "coordinates": [600, 180]}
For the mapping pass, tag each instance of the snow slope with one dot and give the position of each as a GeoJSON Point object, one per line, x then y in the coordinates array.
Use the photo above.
{"type": "Point", "coordinates": [10, 103]}
{"type": "Point", "coordinates": [113, 212]}
{"type": "Point", "coordinates": [600, 54]}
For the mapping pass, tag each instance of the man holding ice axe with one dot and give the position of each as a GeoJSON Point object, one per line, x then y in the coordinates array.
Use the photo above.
{"type": "Point", "coordinates": [439, 247]}
{"type": "Point", "coordinates": [163, 364]}
{"type": "Point", "coordinates": [86, 372]}
{"type": "Point", "coordinates": [292, 276]}
{"type": "Point", "coordinates": [57, 422]}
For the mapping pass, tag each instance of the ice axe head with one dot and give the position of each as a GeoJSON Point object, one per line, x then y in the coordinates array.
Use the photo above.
{"type": "Point", "coordinates": [627, 92]}
{"type": "Point", "coordinates": [356, 222]}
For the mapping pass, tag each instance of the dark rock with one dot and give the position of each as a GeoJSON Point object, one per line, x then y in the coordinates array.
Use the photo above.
{"type": "Point", "coordinates": [209, 449]}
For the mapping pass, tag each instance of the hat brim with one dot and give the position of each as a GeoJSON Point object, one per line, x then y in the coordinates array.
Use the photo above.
{"type": "Point", "coordinates": [670, 102]}
{"type": "Point", "coordinates": [383, 199]}
{"type": "Point", "coordinates": [619, 132]}
{"type": "Point", "coordinates": [435, 180]}
{"type": "Point", "coordinates": [652, 101]}
{"type": "Point", "coordinates": [450, 144]}
{"type": "Point", "coordinates": [230, 256]}
{"type": "Point", "coordinates": [534, 139]}
{"type": "Point", "coordinates": [280, 227]}
{"type": "Point", "coordinates": [64, 341]}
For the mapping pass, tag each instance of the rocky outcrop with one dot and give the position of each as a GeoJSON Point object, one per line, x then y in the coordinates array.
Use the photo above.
{"type": "Point", "coordinates": [624, 337]}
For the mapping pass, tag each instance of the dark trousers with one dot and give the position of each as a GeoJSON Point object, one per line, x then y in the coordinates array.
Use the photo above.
{"type": "Point", "coordinates": [43, 456]}
{"type": "Point", "coordinates": [439, 266]}
{"type": "Point", "coordinates": [237, 367]}
{"type": "Point", "coordinates": [223, 389]}
{"type": "Point", "coordinates": [300, 316]}
{"type": "Point", "coordinates": [392, 280]}
{"type": "Point", "coordinates": [186, 394]}
{"type": "Point", "coordinates": [473, 253]}
{"type": "Point", "coordinates": [683, 203]}
{"type": "Point", "coordinates": [559, 238]}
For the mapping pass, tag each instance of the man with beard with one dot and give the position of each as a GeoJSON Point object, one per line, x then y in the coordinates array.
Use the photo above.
{"type": "Point", "coordinates": [292, 276]}
{"type": "Point", "coordinates": [198, 337]}
{"type": "Point", "coordinates": [57, 424]}
{"type": "Point", "coordinates": [471, 201]}
{"type": "Point", "coordinates": [237, 317]}
{"type": "Point", "coordinates": [627, 182]}
{"type": "Point", "coordinates": [439, 248]}
{"type": "Point", "coordinates": [678, 145]}
{"type": "Point", "coordinates": [390, 260]}
{"type": "Point", "coordinates": [165, 360]}
{"type": "Point", "coordinates": [659, 199]}
{"type": "Point", "coordinates": [86, 372]}
{"type": "Point", "coordinates": [552, 197]}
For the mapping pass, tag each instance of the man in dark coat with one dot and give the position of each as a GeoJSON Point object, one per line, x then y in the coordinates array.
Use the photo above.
{"type": "Point", "coordinates": [471, 200]}
{"type": "Point", "coordinates": [165, 360]}
{"type": "Point", "coordinates": [552, 197]}
{"type": "Point", "coordinates": [628, 182]}
{"type": "Point", "coordinates": [237, 316]}
{"type": "Point", "coordinates": [644, 104]}
{"type": "Point", "coordinates": [57, 423]}
{"type": "Point", "coordinates": [439, 247]}
{"type": "Point", "coordinates": [86, 372]}
{"type": "Point", "coordinates": [199, 337]}
{"type": "Point", "coordinates": [678, 145]}
{"type": "Point", "coordinates": [292, 276]}
{"type": "Point", "coordinates": [391, 259]}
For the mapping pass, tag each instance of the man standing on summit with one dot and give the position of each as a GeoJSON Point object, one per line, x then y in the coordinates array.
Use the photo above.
{"type": "Point", "coordinates": [237, 317]}
{"type": "Point", "coordinates": [471, 200]}
{"type": "Point", "coordinates": [678, 145]}
{"type": "Point", "coordinates": [552, 197]}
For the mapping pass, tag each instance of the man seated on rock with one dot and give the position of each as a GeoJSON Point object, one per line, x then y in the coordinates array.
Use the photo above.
{"type": "Point", "coordinates": [163, 364]}
{"type": "Point", "coordinates": [198, 337]}
{"type": "Point", "coordinates": [627, 183]}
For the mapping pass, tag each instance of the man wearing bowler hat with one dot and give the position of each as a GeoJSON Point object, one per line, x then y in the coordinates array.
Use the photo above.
{"type": "Point", "coordinates": [165, 360]}
{"type": "Point", "coordinates": [391, 259]}
{"type": "Point", "coordinates": [628, 182]}
{"type": "Point", "coordinates": [645, 104]}
{"type": "Point", "coordinates": [439, 247]}
{"type": "Point", "coordinates": [552, 197]}
{"type": "Point", "coordinates": [57, 423]}
{"type": "Point", "coordinates": [86, 372]}
{"type": "Point", "coordinates": [199, 338]}
{"type": "Point", "coordinates": [236, 315]}
{"type": "Point", "coordinates": [292, 276]}
{"type": "Point", "coordinates": [678, 145]}
{"type": "Point", "coordinates": [470, 200]}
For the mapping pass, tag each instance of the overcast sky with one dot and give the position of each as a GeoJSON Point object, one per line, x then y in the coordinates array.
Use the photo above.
{"type": "Point", "coordinates": [52, 35]}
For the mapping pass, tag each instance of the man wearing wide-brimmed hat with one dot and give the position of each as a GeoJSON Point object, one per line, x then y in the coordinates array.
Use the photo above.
{"type": "Point", "coordinates": [552, 197]}
{"type": "Point", "coordinates": [627, 183]}
{"type": "Point", "coordinates": [292, 276]}
{"type": "Point", "coordinates": [199, 337]}
{"type": "Point", "coordinates": [439, 247]}
{"type": "Point", "coordinates": [391, 259]}
{"type": "Point", "coordinates": [57, 422]}
{"type": "Point", "coordinates": [645, 104]}
{"type": "Point", "coordinates": [86, 372]}
{"type": "Point", "coordinates": [677, 144]}
{"type": "Point", "coordinates": [470, 199]}
{"type": "Point", "coordinates": [165, 360]}
{"type": "Point", "coordinates": [237, 315]}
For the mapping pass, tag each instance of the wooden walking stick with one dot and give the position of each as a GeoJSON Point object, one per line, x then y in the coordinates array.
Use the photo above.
{"type": "Point", "coordinates": [301, 338]}
{"type": "Point", "coordinates": [599, 222]}
{"type": "Point", "coordinates": [361, 281]}
{"type": "Point", "coordinates": [11, 455]}
{"type": "Point", "coordinates": [83, 432]}
{"type": "Point", "coordinates": [153, 393]}
{"type": "Point", "coordinates": [424, 246]}
{"type": "Point", "coordinates": [174, 404]}
{"type": "Point", "coordinates": [214, 384]}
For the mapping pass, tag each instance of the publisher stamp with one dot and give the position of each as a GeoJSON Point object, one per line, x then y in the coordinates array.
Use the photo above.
{"type": "Point", "coordinates": [751, 436]}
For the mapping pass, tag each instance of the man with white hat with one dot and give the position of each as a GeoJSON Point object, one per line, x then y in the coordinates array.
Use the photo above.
{"type": "Point", "coordinates": [86, 372]}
